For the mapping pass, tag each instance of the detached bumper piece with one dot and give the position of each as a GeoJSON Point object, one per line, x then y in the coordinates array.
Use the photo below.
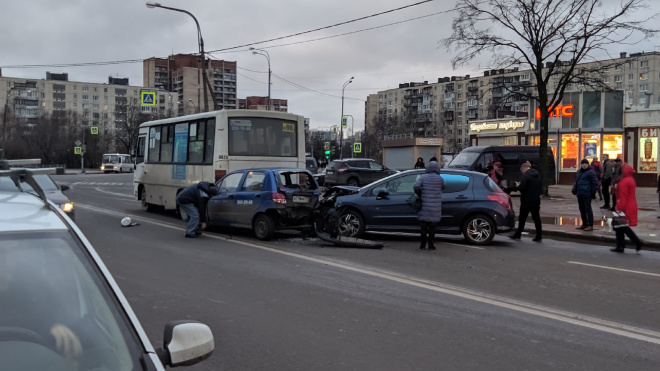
{"type": "Point", "coordinates": [343, 241]}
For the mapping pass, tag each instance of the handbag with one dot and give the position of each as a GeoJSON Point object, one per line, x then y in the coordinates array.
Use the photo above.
{"type": "Point", "coordinates": [619, 220]}
{"type": "Point", "coordinates": [416, 202]}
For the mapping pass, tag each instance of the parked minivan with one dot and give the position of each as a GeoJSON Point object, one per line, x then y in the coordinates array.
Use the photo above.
{"type": "Point", "coordinates": [481, 158]}
{"type": "Point", "coordinates": [117, 162]}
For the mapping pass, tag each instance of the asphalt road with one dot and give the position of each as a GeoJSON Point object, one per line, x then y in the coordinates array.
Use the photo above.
{"type": "Point", "coordinates": [292, 304]}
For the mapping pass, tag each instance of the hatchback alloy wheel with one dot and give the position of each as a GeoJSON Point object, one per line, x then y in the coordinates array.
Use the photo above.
{"type": "Point", "coordinates": [479, 230]}
{"type": "Point", "coordinates": [351, 224]}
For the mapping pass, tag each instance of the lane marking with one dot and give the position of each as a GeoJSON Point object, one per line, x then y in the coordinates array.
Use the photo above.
{"type": "Point", "coordinates": [614, 268]}
{"type": "Point", "coordinates": [589, 322]}
{"type": "Point", "coordinates": [113, 193]}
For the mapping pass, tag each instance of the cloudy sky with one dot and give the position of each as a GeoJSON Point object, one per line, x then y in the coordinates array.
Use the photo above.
{"type": "Point", "coordinates": [308, 70]}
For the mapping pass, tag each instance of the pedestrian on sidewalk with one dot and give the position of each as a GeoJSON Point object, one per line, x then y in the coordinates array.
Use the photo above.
{"type": "Point", "coordinates": [429, 188]}
{"type": "Point", "coordinates": [193, 201]}
{"type": "Point", "coordinates": [420, 163]}
{"type": "Point", "coordinates": [598, 169]}
{"type": "Point", "coordinates": [530, 201]}
{"type": "Point", "coordinates": [497, 173]}
{"type": "Point", "coordinates": [627, 203]}
{"type": "Point", "coordinates": [616, 177]}
{"type": "Point", "coordinates": [585, 188]}
{"type": "Point", "coordinates": [606, 180]}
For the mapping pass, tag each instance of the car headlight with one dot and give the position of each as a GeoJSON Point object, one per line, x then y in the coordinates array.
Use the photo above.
{"type": "Point", "coordinates": [102, 167]}
{"type": "Point", "coordinates": [67, 207]}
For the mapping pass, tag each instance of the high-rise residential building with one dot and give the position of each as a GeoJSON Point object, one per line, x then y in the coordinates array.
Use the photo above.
{"type": "Point", "coordinates": [104, 105]}
{"type": "Point", "coordinates": [182, 74]}
{"type": "Point", "coordinates": [261, 103]}
{"type": "Point", "coordinates": [622, 120]}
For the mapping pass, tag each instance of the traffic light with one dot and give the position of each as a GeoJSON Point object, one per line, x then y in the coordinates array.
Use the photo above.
{"type": "Point", "coordinates": [326, 146]}
{"type": "Point", "coordinates": [333, 150]}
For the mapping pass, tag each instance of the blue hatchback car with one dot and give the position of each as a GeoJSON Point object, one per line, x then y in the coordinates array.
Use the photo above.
{"type": "Point", "coordinates": [265, 200]}
{"type": "Point", "coordinates": [472, 205]}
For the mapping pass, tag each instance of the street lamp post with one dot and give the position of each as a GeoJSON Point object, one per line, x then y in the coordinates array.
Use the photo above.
{"type": "Point", "coordinates": [200, 42]}
{"type": "Point", "coordinates": [194, 105]}
{"type": "Point", "coordinates": [265, 54]}
{"type": "Point", "coordinates": [341, 125]}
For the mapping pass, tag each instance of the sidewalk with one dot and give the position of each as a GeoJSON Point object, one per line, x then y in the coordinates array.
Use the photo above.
{"type": "Point", "coordinates": [560, 216]}
{"type": "Point", "coordinates": [79, 171]}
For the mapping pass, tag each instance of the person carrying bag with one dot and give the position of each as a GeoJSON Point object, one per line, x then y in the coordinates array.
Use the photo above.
{"type": "Point", "coordinates": [626, 210]}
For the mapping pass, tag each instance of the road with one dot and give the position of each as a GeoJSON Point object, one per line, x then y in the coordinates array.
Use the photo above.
{"type": "Point", "coordinates": [292, 304]}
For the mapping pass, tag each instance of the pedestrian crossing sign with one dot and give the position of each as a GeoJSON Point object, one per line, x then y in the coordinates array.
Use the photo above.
{"type": "Point", "coordinates": [77, 150]}
{"type": "Point", "coordinates": [357, 147]}
{"type": "Point", "coordinates": [148, 98]}
{"type": "Point", "coordinates": [94, 130]}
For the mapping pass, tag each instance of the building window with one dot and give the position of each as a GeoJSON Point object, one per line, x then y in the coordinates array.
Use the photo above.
{"type": "Point", "coordinates": [631, 76]}
{"type": "Point", "coordinates": [85, 88]}
{"type": "Point", "coordinates": [617, 78]}
{"type": "Point", "coordinates": [643, 87]}
{"type": "Point", "coordinates": [644, 63]}
{"type": "Point", "coordinates": [644, 76]}
{"type": "Point", "coordinates": [95, 97]}
{"type": "Point", "coordinates": [570, 146]}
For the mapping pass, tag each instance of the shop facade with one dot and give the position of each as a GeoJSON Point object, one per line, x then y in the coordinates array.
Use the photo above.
{"type": "Point", "coordinates": [642, 153]}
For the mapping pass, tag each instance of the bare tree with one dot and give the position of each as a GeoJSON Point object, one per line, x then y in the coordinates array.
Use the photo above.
{"type": "Point", "coordinates": [129, 117]}
{"type": "Point", "coordinates": [549, 37]}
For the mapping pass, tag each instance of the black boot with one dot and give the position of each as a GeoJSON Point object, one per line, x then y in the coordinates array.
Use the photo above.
{"type": "Point", "coordinates": [431, 247]}
{"type": "Point", "coordinates": [616, 249]}
{"type": "Point", "coordinates": [422, 246]}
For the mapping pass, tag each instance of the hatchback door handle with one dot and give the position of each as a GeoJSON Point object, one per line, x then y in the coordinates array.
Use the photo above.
{"type": "Point", "coordinates": [461, 197]}
{"type": "Point", "coordinates": [257, 196]}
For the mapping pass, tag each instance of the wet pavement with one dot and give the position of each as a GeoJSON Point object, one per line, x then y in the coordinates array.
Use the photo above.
{"type": "Point", "coordinates": [560, 216]}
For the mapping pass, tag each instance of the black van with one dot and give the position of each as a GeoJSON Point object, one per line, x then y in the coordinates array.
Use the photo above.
{"type": "Point", "coordinates": [481, 158]}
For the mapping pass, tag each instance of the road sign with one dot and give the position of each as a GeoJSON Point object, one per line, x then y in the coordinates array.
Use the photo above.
{"type": "Point", "coordinates": [77, 150]}
{"type": "Point", "coordinates": [344, 121]}
{"type": "Point", "coordinates": [148, 98]}
{"type": "Point", "coordinates": [357, 147]}
{"type": "Point", "coordinates": [77, 143]}
{"type": "Point", "coordinates": [94, 130]}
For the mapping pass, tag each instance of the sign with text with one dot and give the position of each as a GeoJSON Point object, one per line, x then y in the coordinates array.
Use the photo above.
{"type": "Point", "coordinates": [476, 127]}
{"type": "Point", "coordinates": [562, 110]}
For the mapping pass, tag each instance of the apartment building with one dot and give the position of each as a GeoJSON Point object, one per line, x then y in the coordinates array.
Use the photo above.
{"type": "Point", "coordinates": [261, 103]}
{"type": "Point", "coordinates": [181, 74]}
{"type": "Point", "coordinates": [493, 110]}
{"type": "Point", "coordinates": [95, 104]}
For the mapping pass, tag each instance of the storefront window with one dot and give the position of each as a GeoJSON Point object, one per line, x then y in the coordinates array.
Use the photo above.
{"type": "Point", "coordinates": [552, 143]}
{"type": "Point", "coordinates": [590, 146]}
{"type": "Point", "coordinates": [570, 147]}
{"type": "Point", "coordinates": [648, 151]}
{"type": "Point", "coordinates": [613, 145]}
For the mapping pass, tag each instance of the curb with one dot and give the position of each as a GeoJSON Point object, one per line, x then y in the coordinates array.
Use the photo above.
{"type": "Point", "coordinates": [648, 245]}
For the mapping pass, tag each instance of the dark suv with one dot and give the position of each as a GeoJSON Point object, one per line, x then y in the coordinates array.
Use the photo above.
{"type": "Point", "coordinates": [355, 172]}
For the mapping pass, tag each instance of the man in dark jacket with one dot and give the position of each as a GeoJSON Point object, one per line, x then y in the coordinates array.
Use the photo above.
{"type": "Point", "coordinates": [585, 188]}
{"type": "Point", "coordinates": [606, 180]}
{"type": "Point", "coordinates": [530, 200]}
{"type": "Point", "coordinates": [192, 201]}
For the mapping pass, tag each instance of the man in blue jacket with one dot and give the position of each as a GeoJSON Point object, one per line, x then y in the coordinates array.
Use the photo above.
{"type": "Point", "coordinates": [585, 188]}
{"type": "Point", "coordinates": [192, 201]}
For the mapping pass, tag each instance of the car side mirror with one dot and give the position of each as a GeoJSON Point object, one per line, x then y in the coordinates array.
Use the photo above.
{"type": "Point", "coordinates": [383, 193]}
{"type": "Point", "coordinates": [64, 188]}
{"type": "Point", "coordinates": [185, 343]}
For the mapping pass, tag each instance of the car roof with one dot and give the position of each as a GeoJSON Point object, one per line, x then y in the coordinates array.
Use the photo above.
{"type": "Point", "coordinates": [504, 148]}
{"type": "Point", "coordinates": [23, 212]}
{"type": "Point", "coordinates": [281, 169]}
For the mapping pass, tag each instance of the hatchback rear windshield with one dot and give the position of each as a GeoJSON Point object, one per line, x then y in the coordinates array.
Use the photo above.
{"type": "Point", "coordinates": [298, 179]}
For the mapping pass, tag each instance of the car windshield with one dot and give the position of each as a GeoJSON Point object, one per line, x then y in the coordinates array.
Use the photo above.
{"type": "Point", "coordinates": [110, 159]}
{"type": "Point", "coordinates": [51, 292]}
{"type": "Point", "coordinates": [44, 181]}
{"type": "Point", "coordinates": [464, 159]}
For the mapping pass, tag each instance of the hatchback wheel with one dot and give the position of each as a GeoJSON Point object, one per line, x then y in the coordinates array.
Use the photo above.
{"type": "Point", "coordinates": [353, 182]}
{"type": "Point", "coordinates": [264, 228]}
{"type": "Point", "coordinates": [479, 230]}
{"type": "Point", "coordinates": [351, 224]}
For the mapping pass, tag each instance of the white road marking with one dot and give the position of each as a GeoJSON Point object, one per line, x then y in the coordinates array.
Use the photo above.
{"type": "Point", "coordinates": [593, 323]}
{"type": "Point", "coordinates": [614, 269]}
{"type": "Point", "coordinates": [113, 193]}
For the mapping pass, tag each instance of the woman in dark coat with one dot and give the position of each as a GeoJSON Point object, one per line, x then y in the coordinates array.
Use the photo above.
{"type": "Point", "coordinates": [429, 187]}
{"type": "Point", "coordinates": [420, 163]}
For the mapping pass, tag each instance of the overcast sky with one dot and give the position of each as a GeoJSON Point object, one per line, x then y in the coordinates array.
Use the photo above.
{"type": "Point", "coordinates": [75, 31]}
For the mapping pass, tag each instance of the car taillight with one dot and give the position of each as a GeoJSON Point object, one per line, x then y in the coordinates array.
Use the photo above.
{"type": "Point", "coordinates": [279, 198]}
{"type": "Point", "coordinates": [500, 198]}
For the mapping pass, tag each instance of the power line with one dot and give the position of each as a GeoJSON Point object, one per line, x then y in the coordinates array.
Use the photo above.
{"type": "Point", "coordinates": [314, 91]}
{"type": "Point", "coordinates": [323, 28]}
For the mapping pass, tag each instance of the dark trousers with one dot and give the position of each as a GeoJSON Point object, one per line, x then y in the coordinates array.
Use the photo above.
{"type": "Point", "coordinates": [525, 209]}
{"type": "Point", "coordinates": [621, 234]}
{"type": "Point", "coordinates": [606, 191]}
{"type": "Point", "coordinates": [586, 212]}
{"type": "Point", "coordinates": [428, 232]}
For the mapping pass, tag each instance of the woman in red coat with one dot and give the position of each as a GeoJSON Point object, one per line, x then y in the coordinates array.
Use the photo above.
{"type": "Point", "coordinates": [627, 203]}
